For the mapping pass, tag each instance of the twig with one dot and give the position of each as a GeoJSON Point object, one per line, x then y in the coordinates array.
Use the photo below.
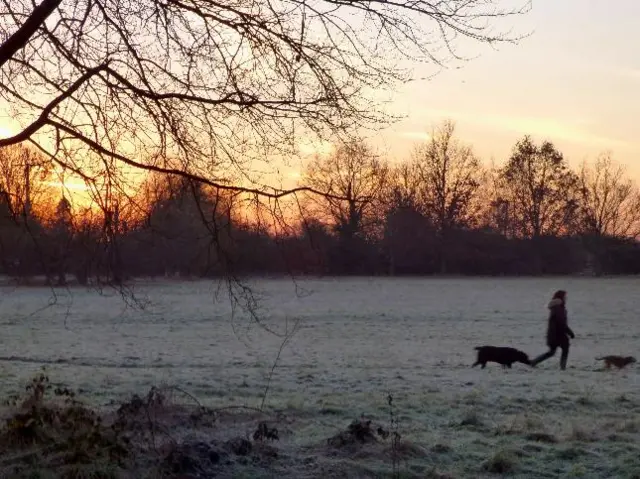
{"type": "Point", "coordinates": [26, 457]}
{"type": "Point", "coordinates": [286, 339]}
{"type": "Point", "coordinates": [232, 408]}
{"type": "Point", "coordinates": [395, 436]}
{"type": "Point", "coordinates": [188, 394]}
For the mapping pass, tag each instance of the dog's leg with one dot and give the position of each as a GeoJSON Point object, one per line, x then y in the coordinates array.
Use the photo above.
{"type": "Point", "coordinates": [475, 364]}
{"type": "Point", "coordinates": [484, 365]}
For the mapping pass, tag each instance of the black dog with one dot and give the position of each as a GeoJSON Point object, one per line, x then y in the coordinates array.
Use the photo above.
{"type": "Point", "coordinates": [504, 356]}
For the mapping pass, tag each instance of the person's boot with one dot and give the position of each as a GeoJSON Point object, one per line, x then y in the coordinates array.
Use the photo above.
{"type": "Point", "coordinates": [537, 360]}
{"type": "Point", "coordinates": [563, 363]}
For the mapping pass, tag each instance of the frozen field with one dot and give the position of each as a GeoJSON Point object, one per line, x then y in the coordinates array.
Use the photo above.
{"type": "Point", "coordinates": [359, 340]}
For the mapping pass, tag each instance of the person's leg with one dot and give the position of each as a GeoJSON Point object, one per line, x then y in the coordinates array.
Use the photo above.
{"type": "Point", "coordinates": [564, 355]}
{"type": "Point", "coordinates": [545, 356]}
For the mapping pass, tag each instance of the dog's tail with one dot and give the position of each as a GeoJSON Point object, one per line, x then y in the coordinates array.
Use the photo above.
{"type": "Point", "coordinates": [478, 348]}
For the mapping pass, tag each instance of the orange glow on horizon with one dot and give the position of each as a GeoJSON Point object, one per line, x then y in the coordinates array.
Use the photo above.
{"type": "Point", "coordinates": [67, 185]}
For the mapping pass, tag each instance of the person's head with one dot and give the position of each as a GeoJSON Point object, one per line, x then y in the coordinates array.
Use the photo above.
{"type": "Point", "coordinates": [561, 295]}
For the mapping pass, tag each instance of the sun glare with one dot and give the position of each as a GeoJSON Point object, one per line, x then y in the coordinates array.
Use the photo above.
{"type": "Point", "coordinates": [5, 132]}
{"type": "Point", "coordinates": [67, 185]}
{"type": "Point", "coordinates": [73, 190]}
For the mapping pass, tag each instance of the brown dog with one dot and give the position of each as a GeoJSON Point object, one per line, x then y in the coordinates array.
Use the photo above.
{"type": "Point", "coordinates": [617, 361]}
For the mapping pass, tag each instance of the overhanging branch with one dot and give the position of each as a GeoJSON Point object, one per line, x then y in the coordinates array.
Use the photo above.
{"type": "Point", "coordinates": [275, 194]}
{"type": "Point", "coordinates": [21, 37]}
{"type": "Point", "coordinates": [33, 128]}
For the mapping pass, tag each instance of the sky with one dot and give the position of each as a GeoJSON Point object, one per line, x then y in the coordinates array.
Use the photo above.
{"type": "Point", "coordinates": [574, 81]}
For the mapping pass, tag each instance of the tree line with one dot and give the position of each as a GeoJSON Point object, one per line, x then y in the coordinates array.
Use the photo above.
{"type": "Point", "coordinates": [440, 211]}
{"type": "Point", "coordinates": [189, 95]}
{"type": "Point", "coordinates": [443, 211]}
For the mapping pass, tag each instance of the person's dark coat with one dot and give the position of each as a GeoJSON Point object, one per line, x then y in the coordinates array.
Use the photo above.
{"type": "Point", "coordinates": [558, 331]}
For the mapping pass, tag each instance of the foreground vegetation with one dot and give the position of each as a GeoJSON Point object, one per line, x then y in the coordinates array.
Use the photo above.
{"type": "Point", "coordinates": [49, 433]}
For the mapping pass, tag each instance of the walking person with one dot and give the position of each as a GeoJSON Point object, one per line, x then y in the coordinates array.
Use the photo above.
{"type": "Point", "coordinates": [558, 331]}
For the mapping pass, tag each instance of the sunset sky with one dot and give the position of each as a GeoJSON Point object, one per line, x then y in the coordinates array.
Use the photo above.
{"type": "Point", "coordinates": [574, 81]}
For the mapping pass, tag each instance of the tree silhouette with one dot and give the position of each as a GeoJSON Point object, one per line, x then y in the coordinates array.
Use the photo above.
{"type": "Point", "coordinates": [450, 175]}
{"type": "Point", "coordinates": [539, 189]}
{"type": "Point", "coordinates": [23, 173]}
{"type": "Point", "coordinates": [60, 240]}
{"type": "Point", "coordinates": [354, 177]}
{"type": "Point", "coordinates": [609, 199]}
{"type": "Point", "coordinates": [213, 91]}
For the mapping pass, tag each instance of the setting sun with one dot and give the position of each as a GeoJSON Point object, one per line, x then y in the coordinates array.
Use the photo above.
{"type": "Point", "coordinates": [67, 185]}
{"type": "Point", "coordinates": [5, 132]}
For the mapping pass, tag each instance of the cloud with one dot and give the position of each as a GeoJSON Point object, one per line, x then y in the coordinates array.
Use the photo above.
{"type": "Point", "coordinates": [415, 135]}
{"type": "Point", "coordinates": [608, 70]}
{"type": "Point", "coordinates": [311, 147]}
{"type": "Point", "coordinates": [627, 72]}
{"type": "Point", "coordinates": [573, 130]}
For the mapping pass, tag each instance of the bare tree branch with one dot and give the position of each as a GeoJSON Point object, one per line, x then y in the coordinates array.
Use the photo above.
{"type": "Point", "coordinates": [539, 189]}
{"type": "Point", "coordinates": [21, 37]}
{"type": "Point", "coordinates": [217, 86]}
{"type": "Point", "coordinates": [610, 200]}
